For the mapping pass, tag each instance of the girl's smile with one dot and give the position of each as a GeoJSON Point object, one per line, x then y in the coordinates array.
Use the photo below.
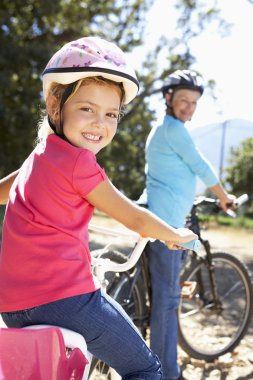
{"type": "Point", "coordinates": [92, 137]}
{"type": "Point", "coordinates": [90, 116]}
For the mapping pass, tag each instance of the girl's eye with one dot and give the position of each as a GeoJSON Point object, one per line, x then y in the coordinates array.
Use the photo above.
{"type": "Point", "coordinates": [86, 109]}
{"type": "Point", "coordinates": [113, 115]}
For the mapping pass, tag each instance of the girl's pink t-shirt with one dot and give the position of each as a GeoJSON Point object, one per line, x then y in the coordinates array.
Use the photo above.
{"type": "Point", "coordinates": [45, 254]}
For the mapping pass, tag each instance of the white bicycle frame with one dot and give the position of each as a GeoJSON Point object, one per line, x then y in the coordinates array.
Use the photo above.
{"type": "Point", "coordinates": [100, 266]}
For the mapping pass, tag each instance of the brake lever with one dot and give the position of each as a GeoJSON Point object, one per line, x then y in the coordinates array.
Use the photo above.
{"type": "Point", "coordinates": [231, 213]}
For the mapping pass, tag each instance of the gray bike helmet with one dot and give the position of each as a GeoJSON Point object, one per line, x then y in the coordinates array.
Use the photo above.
{"type": "Point", "coordinates": [181, 79]}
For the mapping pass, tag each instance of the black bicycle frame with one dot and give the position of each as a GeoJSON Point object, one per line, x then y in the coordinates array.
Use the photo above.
{"type": "Point", "coordinates": [193, 224]}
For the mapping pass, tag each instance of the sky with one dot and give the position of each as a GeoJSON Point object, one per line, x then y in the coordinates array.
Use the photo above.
{"type": "Point", "coordinates": [227, 60]}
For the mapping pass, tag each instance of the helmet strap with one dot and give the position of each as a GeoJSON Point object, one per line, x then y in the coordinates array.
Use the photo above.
{"type": "Point", "coordinates": [170, 109]}
{"type": "Point", "coordinates": [58, 130]}
{"type": "Point", "coordinates": [66, 94]}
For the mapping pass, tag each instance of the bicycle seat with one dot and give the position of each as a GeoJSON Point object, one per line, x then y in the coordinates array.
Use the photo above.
{"type": "Point", "coordinates": [38, 354]}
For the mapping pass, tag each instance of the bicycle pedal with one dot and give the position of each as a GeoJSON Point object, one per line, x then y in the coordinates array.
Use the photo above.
{"type": "Point", "coordinates": [188, 289]}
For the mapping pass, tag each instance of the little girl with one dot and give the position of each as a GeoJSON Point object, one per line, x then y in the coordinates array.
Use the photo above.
{"type": "Point", "coordinates": [45, 274]}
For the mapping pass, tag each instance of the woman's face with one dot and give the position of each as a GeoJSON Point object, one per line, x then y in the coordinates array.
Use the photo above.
{"type": "Point", "coordinates": [90, 116]}
{"type": "Point", "coordinates": [184, 103]}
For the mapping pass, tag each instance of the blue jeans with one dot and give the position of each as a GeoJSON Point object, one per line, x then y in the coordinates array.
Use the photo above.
{"type": "Point", "coordinates": [165, 265]}
{"type": "Point", "coordinates": [109, 333]}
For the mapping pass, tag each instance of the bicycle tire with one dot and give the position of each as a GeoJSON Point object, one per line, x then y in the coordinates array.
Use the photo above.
{"type": "Point", "coordinates": [131, 296]}
{"type": "Point", "coordinates": [207, 332]}
{"type": "Point", "coordinates": [118, 288]}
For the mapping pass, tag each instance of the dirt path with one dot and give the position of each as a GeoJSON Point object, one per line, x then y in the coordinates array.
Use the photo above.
{"type": "Point", "coordinates": [239, 364]}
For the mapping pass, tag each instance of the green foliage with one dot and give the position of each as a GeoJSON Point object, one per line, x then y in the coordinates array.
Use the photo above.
{"type": "Point", "coordinates": [32, 30]}
{"type": "Point", "coordinates": [240, 171]}
{"type": "Point", "coordinates": [222, 220]}
{"type": "Point", "coordinates": [124, 159]}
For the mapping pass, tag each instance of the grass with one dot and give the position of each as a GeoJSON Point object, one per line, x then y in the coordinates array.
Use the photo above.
{"type": "Point", "coordinates": [222, 220]}
{"type": "Point", "coordinates": [214, 220]}
{"type": "Point", "coordinates": [241, 221]}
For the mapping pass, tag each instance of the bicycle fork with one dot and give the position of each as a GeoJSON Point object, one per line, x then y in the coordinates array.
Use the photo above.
{"type": "Point", "coordinates": [215, 303]}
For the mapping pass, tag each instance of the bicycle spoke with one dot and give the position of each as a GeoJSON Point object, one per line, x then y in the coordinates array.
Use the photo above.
{"type": "Point", "coordinates": [238, 284]}
{"type": "Point", "coordinates": [196, 311]}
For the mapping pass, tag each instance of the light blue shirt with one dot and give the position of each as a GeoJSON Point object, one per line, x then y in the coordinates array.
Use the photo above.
{"type": "Point", "coordinates": [173, 164]}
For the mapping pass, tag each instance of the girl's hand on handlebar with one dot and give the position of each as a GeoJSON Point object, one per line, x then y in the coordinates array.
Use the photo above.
{"type": "Point", "coordinates": [184, 236]}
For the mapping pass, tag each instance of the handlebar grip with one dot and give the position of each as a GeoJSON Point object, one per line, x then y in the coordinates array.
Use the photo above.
{"type": "Point", "coordinates": [240, 200]}
{"type": "Point", "coordinates": [194, 245]}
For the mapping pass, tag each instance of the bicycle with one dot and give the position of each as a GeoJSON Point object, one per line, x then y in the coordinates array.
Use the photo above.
{"type": "Point", "coordinates": [213, 316]}
{"type": "Point", "coordinates": [129, 283]}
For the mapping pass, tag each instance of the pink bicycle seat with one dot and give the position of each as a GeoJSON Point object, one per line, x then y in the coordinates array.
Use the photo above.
{"type": "Point", "coordinates": [38, 354]}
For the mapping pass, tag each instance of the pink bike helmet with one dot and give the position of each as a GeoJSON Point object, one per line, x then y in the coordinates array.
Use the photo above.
{"type": "Point", "coordinates": [86, 57]}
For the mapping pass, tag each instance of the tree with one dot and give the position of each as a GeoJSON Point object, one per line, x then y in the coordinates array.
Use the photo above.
{"type": "Point", "coordinates": [32, 30]}
{"type": "Point", "coordinates": [240, 172]}
{"type": "Point", "coordinates": [194, 17]}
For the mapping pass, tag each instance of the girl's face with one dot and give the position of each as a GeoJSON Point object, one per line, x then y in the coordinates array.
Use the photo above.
{"type": "Point", "coordinates": [90, 116]}
{"type": "Point", "coordinates": [184, 103]}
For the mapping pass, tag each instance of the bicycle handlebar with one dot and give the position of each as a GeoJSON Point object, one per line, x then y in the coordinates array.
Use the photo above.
{"type": "Point", "coordinates": [103, 265]}
{"type": "Point", "coordinates": [241, 200]}
{"type": "Point", "coordinates": [193, 245]}
{"type": "Point", "coordinates": [238, 202]}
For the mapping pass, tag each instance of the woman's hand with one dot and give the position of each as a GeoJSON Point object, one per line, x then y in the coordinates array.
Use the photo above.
{"type": "Point", "coordinates": [226, 202]}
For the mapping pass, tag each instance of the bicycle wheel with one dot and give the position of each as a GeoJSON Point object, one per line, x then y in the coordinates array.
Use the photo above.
{"type": "Point", "coordinates": [207, 329]}
{"type": "Point", "coordinates": [101, 371]}
{"type": "Point", "coordinates": [127, 289]}
{"type": "Point", "coordinates": [130, 293]}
